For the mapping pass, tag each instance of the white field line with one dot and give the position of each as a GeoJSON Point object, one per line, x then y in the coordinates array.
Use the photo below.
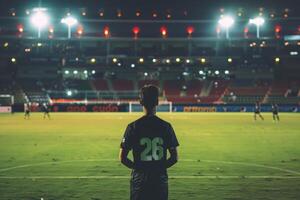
{"type": "Point", "coordinates": [128, 177]}
{"type": "Point", "coordinates": [183, 160]}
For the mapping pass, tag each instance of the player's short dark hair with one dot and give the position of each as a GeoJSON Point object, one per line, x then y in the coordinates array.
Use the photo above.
{"type": "Point", "coordinates": [149, 96]}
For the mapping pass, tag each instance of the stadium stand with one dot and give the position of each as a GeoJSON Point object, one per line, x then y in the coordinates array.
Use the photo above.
{"type": "Point", "coordinates": [100, 84]}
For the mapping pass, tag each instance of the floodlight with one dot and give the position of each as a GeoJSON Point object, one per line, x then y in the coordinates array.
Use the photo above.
{"type": "Point", "coordinates": [294, 53]}
{"type": "Point", "coordinates": [226, 22]}
{"type": "Point", "coordinates": [69, 93]}
{"type": "Point", "coordinates": [203, 60]}
{"type": "Point", "coordinates": [217, 72]}
{"type": "Point", "coordinates": [226, 71]}
{"type": "Point", "coordinates": [69, 21]}
{"type": "Point", "coordinates": [132, 65]}
{"type": "Point", "coordinates": [40, 20]}
{"type": "Point", "coordinates": [93, 60]}
{"type": "Point", "coordinates": [154, 60]}
{"type": "Point", "coordinates": [258, 21]}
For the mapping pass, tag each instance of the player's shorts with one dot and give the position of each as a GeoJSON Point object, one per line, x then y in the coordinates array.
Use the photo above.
{"type": "Point", "coordinates": [275, 112]}
{"type": "Point", "coordinates": [148, 186]}
{"type": "Point", "coordinates": [27, 112]}
{"type": "Point", "coordinates": [257, 112]}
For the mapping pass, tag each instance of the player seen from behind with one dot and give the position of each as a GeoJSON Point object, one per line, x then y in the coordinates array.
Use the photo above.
{"type": "Point", "coordinates": [275, 112]}
{"type": "Point", "coordinates": [26, 110]}
{"type": "Point", "coordinates": [46, 110]}
{"type": "Point", "coordinates": [149, 138]}
{"type": "Point", "coordinates": [257, 109]}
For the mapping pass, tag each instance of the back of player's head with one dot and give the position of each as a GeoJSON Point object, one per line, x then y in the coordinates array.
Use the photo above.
{"type": "Point", "coordinates": [149, 96]}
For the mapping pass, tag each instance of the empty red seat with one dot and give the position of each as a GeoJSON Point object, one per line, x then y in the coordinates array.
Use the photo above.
{"type": "Point", "coordinates": [122, 85]}
{"type": "Point", "coordinates": [101, 84]}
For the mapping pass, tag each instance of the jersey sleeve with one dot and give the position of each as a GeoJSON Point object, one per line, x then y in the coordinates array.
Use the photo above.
{"type": "Point", "coordinates": [172, 139]}
{"type": "Point", "coordinates": [126, 142]}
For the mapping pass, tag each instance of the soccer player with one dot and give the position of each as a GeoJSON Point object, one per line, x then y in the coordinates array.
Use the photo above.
{"type": "Point", "coordinates": [257, 111]}
{"type": "Point", "coordinates": [149, 138]}
{"type": "Point", "coordinates": [275, 112]}
{"type": "Point", "coordinates": [46, 110]}
{"type": "Point", "coordinates": [26, 110]}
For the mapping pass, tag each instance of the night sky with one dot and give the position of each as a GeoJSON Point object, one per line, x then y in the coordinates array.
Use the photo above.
{"type": "Point", "coordinates": [196, 8]}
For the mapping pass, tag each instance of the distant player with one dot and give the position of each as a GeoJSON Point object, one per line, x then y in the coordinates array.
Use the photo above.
{"type": "Point", "coordinates": [275, 111]}
{"type": "Point", "coordinates": [149, 138]}
{"type": "Point", "coordinates": [257, 109]}
{"type": "Point", "coordinates": [26, 110]}
{"type": "Point", "coordinates": [46, 111]}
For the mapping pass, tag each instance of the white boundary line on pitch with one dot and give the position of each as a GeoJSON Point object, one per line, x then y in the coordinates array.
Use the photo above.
{"type": "Point", "coordinates": [128, 177]}
{"type": "Point", "coordinates": [183, 160]}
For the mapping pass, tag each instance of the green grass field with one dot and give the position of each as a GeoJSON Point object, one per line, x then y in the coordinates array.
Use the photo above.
{"type": "Point", "coordinates": [222, 156]}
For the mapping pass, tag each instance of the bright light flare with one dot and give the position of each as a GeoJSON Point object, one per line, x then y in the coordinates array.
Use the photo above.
{"type": "Point", "coordinates": [258, 21]}
{"type": "Point", "coordinates": [70, 21]}
{"type": "Point", "coordinates": [39, 19]}
{"type": "Point", "coordinates": [226, 21]}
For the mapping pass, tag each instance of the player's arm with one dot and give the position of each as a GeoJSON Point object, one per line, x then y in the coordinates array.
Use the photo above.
{"type": "Point", "coordinates": [172, 145]}
{"type": "Point", "coordinates": [123, 156]}
{"type": "Point", "coordinates": [125, 147]}
{"type": "Point", "coordinates": [173, 159]}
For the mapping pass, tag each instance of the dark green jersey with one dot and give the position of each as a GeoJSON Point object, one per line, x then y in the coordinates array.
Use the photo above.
{"type": "Point", "coordinates": [149, 138]}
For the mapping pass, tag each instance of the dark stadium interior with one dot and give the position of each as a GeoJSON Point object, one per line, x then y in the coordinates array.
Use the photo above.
{"type": "Point", "coordinates": [81, 118]}
{"type": "Point", "coordinates": [117, 47]}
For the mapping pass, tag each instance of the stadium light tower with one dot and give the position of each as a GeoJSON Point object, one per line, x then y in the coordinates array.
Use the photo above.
{"type": "Point", "coordinates": [69, 21]}
{"type": "Point", "coordinates": [226, 22]}
{"type": "Point", "coordinates": [39, 19]}
{"type": "Point", "coordinates": [258, 21]}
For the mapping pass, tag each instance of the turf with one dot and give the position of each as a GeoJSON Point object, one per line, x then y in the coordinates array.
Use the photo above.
{"type": "Point", "coordinates": [222, 156]}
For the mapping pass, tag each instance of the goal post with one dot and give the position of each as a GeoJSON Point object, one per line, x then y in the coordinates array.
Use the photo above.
{"type": "Point", "coordinates": [163, 106]}
{"type": "Point", "coordinates": [6, 103]}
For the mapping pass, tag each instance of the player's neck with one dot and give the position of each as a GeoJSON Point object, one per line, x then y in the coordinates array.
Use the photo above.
{"type": "Point", "coordinates": [150, 112]}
